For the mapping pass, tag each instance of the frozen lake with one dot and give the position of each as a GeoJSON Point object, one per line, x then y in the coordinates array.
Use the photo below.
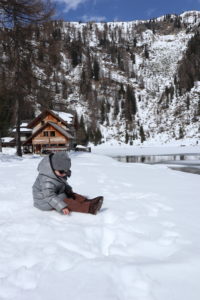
{"type": "Point", "coordinates": [181, 162]}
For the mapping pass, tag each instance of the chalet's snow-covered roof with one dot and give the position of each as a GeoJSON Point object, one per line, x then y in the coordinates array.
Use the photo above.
{"type": "Point", "coordinates": [64, 116]}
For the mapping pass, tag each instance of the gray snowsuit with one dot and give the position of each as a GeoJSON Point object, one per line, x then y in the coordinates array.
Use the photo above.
{"type": "Point", "coordinates": [49, 190]}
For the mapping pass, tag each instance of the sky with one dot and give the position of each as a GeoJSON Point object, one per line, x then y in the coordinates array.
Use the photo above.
{"type": "Point", "coordinates": [120, 10]}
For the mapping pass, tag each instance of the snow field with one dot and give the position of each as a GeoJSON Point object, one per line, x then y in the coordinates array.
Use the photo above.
{"type": "Point", "coordinates": [143, 245]}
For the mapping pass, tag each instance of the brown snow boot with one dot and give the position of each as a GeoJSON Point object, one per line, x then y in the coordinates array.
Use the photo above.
{"type": "Point", "coordinates": [95, 205]}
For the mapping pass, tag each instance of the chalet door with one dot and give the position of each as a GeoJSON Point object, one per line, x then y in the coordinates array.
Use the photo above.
{"type": "Point", "coordinates": [37, 148]}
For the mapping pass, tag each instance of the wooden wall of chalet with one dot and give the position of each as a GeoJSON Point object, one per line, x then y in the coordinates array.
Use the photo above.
{"type": "Point", "coordinates": [49, 118]}
{"type": "Point", "coordinates": [57, 139]}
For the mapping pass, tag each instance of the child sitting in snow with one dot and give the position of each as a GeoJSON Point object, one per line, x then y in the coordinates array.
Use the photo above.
{"type": "Point", "coordinates": [51, 190]}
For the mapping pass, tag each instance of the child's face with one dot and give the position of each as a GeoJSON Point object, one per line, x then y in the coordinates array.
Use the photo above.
{"type": "Point", "coordinates": [60, 173]}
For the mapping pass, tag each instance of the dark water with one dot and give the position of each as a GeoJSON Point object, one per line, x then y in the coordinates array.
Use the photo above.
{"type": "Point", "coordinates": [186, 162]}
{"type": "Point", "coordinates": [160, 159]}
{"type": "Point", "coordinates": [192, 170]}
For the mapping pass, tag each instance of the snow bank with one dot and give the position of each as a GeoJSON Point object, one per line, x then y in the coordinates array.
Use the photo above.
{"type": "Point", "coordinates": [114, 149]}
{"type": "Point", "coordinates": [143, 245]}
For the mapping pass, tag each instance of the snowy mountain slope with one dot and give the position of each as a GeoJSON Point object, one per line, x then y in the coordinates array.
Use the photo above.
{"type": "Point", "coordinates": [131, 80]}
{"type": "Point", "coordinates": [150, 61]}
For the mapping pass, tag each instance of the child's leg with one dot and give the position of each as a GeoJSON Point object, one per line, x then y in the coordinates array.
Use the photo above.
{"type": "Point", "coordinates": [79, 197]}
{"type": "Point", "coordinates": [77, 206]}
{"type": "Point", "coordinates": [87, 206]}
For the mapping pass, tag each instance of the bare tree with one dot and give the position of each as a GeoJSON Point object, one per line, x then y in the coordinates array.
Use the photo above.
{"type": "Point", "coordinates": [17, 20]}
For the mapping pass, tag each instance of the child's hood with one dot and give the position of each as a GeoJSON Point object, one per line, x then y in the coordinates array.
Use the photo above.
{"type": "Point", "coordinates": [45, 168]}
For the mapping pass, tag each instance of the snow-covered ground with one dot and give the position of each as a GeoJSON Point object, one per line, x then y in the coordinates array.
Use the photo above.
{"type": "Point", "coordinates": [143, 245]}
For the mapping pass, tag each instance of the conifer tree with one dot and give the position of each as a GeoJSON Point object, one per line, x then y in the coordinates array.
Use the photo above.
{"type": "Point", "coordinates": [126, 137]}
{"type": "Point", "coordinates": [121, 91]}
{"type": "Point", "coordinates": [198, 108]}
{"type": "Point", "coordinates": [81, 133]}
{"type": "Point", "coordinates": [146, 52]}
{"type": "Point", "coordinates": [181, 133]}
{"type": "Point", "coordinates": [76, 53]}
{"type": "Point", "coordinates": [116, 107]}
{"type": "Point", "coordinates": [135, 42]}
{"type": "Point", "coordinates": [76, 122]}
{"type": "Point", "coordinates": [188, 102]}
{"type": "Point", "coordinates": [130, 104]}
{"type": "Point", "coordinates": [142, 135]}
{"type": "Point", "coordinates": [103, 116]}
{"type": "Point", "coordinates": [96, 69]}
{"type": "Point", "coordinates": [97, 136]}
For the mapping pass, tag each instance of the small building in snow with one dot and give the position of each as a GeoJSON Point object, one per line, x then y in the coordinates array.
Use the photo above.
{"type": "Point", "coordinates": [8, 141]}
{"type": "Point", "coordinates": [82, 148]}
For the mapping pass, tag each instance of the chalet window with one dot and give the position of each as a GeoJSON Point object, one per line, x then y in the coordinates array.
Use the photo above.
{"type": "Point", "coordinates": [45, 133]}
{"type": "Point", "coordinates": [52, 133]}
{"type": "Point", "coordinates": [42, 123]}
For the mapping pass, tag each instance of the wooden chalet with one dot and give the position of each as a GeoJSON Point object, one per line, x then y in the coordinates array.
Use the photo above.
{"type": "Point", "coordinates": [51, 132]}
